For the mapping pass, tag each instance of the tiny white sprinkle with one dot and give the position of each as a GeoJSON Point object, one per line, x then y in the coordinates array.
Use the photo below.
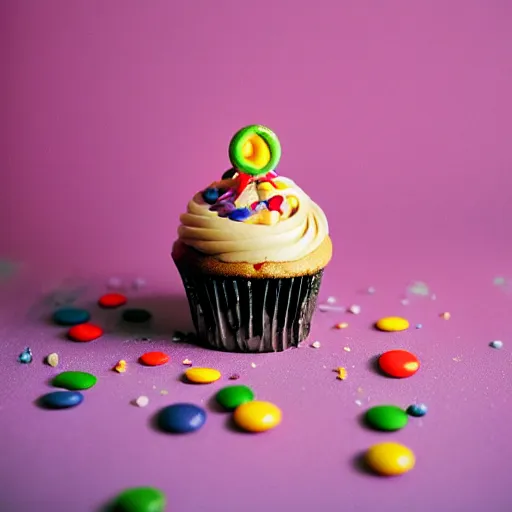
{"type": "Point", "coordinates": [496, 344]}
{"type": "Point", "coordinates": [331, 300]}
{"type": "Point", "coordinates": [433, 296]}
{"type": "Point", "coordinates": [142, 401]}
{"type": "Point", "coordinates": [405, 302]}
{"type": "Point", "coordinates": [346, 349]}
{"type": "Point", "coordinates": [371, 290]}
{"type": "Point", "coordinates": [355, 309]}
{"type": "Point", "coordinates": [315, 344]}
{"type": "Point", "coordinates": [114, 283]}
{"type": "Point", "coordinates": [358, 402]}
{"type": "Point", "coordinates": [139, 283]}
{"type": "Point", "coordinates": [253, 365]}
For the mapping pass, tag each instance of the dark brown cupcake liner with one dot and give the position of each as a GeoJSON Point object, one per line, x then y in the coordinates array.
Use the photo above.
{"type": "Point", "coordinates": [251, 315]}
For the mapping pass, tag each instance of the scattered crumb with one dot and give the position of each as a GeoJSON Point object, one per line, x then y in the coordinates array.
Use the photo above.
{"type": "Point", "coordinates": [355, 309]}
{"type": "Point", "coordinates": [178, 336]}
{"type": "Point", "coordinates": [359, 403]}
{"type": "Point", "coordinates": [496, 344]}
{"type": "Point", "coordinates": [341, 325]}
{"type": "Point", "coordinates": [419, 326]}
{"type": "Point", "coordinates": [342, 373]}
{"type": "Point", "coordinates": [235, 376]}
{"type": "Point", "coordinates": [52, 359]}
{"type": "Point", "coordinates": [142, 401]}
{"type": "Point", "coordinates": [139, 283]}
{"type": "Point", "coordinates": [164, 392]}
{"type": "Point", "coordinates": [315, 344]}
{"type": "Point", "coordinates": [433, 296]}
{"type": "Point", "coordinates": [154, 387]}
{"type": "Point", "coordinates": [187, 362]}
{"type": "Point", "coordinates": [331, 300]}
{"type": "Point", "coordinates": [445, 315]}
{"type": "Point", "coordinates": [346, 349]}
{"type": "Point", "coordinates": [360, 389]}
{"type": "Point", "coordinates": [371, 290]}
{"type": "Point", "coordinates": [114, 283]}
{"type": "Point", "coordinates": [120, 367]}
{"type": "Point", "coordinates": [418, 288]}
{"type": "Point", "coordinates": [253, 365]}
{"type": "Point", "coordinates": [329, 307]}
{"type": "Point", "coordinates": [457, 359]}
{"type": "Point", "coordinates": [404, 302]}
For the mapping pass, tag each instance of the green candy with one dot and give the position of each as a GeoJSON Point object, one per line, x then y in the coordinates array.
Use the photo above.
{"type": "Point", "coordinates": [74, 380]}
{"type": "Point", "coordinates": [231, 397]}
{"type": "Point", "coordinates": [386, 417]}
{"type": "Point", "coordinates": [140, 499]}
{"type": "Point", "coordinates": [237, 144]}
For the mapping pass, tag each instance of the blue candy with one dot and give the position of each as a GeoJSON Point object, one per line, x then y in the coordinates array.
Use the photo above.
{"type": "Point", "coordinates": [210, 195]}
{"type": "Point", "coordinates": [71, 316]}
{"type": "Point", "coordinates": [417, 410]}
{"type": "Point", "coordinates": [181, 418]}
{"type": "Point", "coordinates": [240, 214]}
{"type": "Point", "coordinates": [62, 399]}
{"type": "Point", "coordinates": [26, 356]}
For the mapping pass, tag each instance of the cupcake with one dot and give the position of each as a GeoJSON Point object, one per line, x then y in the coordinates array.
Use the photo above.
{"type": "Point", "coordinates": [251, 251]}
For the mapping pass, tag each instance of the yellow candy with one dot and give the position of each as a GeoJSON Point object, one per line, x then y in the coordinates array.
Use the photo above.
{"type": "Point", "coordinates": [268, 217]}
{"type": "Point", "coordinates": [202, 375]}
{"type": "Point", "coordinates": [280, 185]}
{"type": "Point", "coordinates": [265, 186]}
{"type": "Point", "coordinates": [286, 210]}
{"type": "Point", "coordinates": [257, 416]}
{"type": "Point", "coordinates": [392, 324]}
{"type": "Point", "coordinates": [293, 202]}
{"type": "Point", "coordinates": [390, 459]}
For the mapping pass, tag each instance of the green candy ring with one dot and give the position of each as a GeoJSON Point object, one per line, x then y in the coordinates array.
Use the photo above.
{"type": "Point", "coordinates": [242, 162]}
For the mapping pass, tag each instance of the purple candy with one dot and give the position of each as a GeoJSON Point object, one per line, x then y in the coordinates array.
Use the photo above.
{"type": "Point", "coordinates": [223, 208]}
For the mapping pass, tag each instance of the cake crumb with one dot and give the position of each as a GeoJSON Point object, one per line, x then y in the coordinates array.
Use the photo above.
{"type": "Point", "coordinates": [164, 392]}
{"type": "Point", "coordinates": [355, 309]}
{"type": "Point", "coordinates": [120, 367]}
{"type": "Point", "coordinates": [331, 300]}
{"type": "Point", "coordinates": [359, 403]}
{"type": "Point", "coordinates": [315, 344]}
{"type": "Point", "coordinates": [253, 365]}
{"type": "Point", "coordinates": [187, 362]}
{"type": "Point", "coordinates": [342, 373]}
{"type": "Point", "coordinates": [142, 401]}
{"type": "Point", "coordinates": [234, 376]}
{"type": "Point", "coordinates": [445, 315]}
{"type": "Point", "coordinates": [346, 349]}
{"type": "Point", "coordinates": [341, 325]}
{"type": "Point", "coordinates": [52, 359]}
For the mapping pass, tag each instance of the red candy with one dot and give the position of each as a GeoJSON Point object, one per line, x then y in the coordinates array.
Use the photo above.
{"type": "Point", "coordinates": [85, 332]}
{"type": "Point", "coordinates": [154, 358]}
{"type": "Point", "coordinates": [112, 300]}
{"type": "Point", "coordinates": [399, 363]}
{"type": "Point", "coordinates": [274, 203]}
{"type": "Point", "coordinates": [257, 266]}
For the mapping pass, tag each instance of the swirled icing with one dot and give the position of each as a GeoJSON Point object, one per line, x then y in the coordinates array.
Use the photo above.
{"type": "Point", "coordinates": [289, 240]}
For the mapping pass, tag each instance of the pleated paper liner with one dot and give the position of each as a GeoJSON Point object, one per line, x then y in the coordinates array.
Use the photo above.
{"type": "Point", "coordinates": [251, 315]}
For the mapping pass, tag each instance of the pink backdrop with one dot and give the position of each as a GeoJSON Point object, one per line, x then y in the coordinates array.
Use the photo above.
{"type": "Point", "coordinates": [395, 118]}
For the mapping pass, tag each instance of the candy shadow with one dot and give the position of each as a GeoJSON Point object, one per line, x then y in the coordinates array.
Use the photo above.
{"type": "Point", "coordinates": [373, 365]}
{"type": "Point", "coordinates": [233, 427]}
{"type": "Point", "coordinates": [360, 465]}
{"type": "Point", "coordinates": [214, 406]}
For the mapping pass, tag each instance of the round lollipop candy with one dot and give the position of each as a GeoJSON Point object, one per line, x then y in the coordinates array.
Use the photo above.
{"type": "Point", "coordinates": [255, 150]}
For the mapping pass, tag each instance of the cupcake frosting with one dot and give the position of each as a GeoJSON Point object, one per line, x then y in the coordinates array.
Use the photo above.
{"type": "Point", "coordinates": [271, 220]}
{"type": "Point", "coordinates": [252, 215]}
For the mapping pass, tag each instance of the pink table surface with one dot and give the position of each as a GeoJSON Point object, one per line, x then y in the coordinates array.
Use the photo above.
{"type": "Point", "coordinates": [394, 117]}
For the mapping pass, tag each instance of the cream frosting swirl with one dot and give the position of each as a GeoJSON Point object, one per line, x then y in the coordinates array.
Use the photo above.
{"type": "Point", "coordinates": [232, 242]}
